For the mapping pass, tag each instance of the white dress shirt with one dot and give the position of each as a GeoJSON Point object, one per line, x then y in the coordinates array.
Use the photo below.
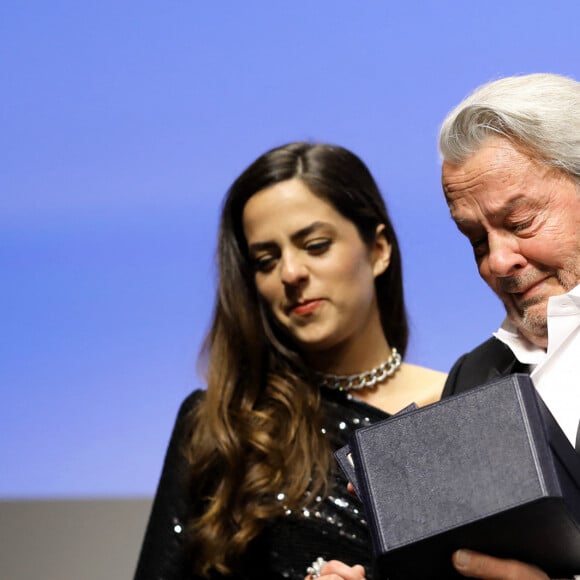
{"type": "Point", "coordinates": [555, 371]}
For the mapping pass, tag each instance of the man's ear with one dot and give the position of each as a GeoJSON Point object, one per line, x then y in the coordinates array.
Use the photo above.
{"type": "Point", "coordinates": [381, 252]}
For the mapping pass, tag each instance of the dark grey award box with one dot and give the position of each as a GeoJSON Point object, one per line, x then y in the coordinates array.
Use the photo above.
{"type": "Point", "coordinates": [489, 469]}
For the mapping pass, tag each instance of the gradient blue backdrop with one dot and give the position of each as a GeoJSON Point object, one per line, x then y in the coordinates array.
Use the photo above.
{"type": "Point", "coordinates": [122, 125]}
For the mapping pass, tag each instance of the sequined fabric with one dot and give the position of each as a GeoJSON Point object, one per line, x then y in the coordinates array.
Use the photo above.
{"type": "Point", "coordinates": [335, 528]}
{"type": "Point", "coordinates": [332, 527]}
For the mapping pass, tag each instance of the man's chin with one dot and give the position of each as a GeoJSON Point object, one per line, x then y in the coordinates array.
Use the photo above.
{"type": "Point", "coordinates": [532, 323]}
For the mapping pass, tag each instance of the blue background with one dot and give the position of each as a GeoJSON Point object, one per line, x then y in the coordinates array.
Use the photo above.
{"type": "Point", "coordinates": [123, 124]}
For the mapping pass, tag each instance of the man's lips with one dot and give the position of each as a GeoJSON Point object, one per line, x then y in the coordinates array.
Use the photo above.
{"type": "Point", "coordinates": [526, 292]}
{"type": "Point", "coordinates": [304, 307]}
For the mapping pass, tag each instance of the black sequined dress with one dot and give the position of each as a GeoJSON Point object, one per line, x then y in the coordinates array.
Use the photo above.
{"type": "Point", "coordinates": [334, 528]}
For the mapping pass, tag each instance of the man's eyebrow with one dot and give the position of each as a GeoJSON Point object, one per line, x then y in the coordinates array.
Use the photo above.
{"type": "Point", "coordinates": [509, 206]}
{"type": "Point", "coordinates": [295, 237]}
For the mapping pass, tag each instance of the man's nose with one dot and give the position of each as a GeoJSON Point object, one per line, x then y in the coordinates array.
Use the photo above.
{"type": "Point", "coordinates": [505, 257]}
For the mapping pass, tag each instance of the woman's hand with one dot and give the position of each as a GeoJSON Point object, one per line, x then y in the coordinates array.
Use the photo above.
{"type": "Point", "coordinates": [335, 570]}
{"type": "Point", "coordinates": [476, 565]}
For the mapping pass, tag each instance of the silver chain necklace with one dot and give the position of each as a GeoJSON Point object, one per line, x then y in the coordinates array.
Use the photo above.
{"type": "Point", "coordinates": [362, 380]}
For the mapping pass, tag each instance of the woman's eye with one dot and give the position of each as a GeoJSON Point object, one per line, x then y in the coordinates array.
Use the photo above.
{"type": "Point", "coordinates": [317, 246]}
{"type": "Point", "coordinates": [264, 263]}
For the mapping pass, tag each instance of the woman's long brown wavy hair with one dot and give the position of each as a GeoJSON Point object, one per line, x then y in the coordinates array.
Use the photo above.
{"type": "Point", "coordinates": [257, 432]}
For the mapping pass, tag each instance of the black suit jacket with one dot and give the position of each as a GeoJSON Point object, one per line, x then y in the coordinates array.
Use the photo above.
{"type": "Point", "coordinates": [488, 361]}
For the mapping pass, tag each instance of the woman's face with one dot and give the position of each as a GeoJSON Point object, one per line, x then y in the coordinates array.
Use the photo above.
{"type": "Point", "coordinates": [312, 268]}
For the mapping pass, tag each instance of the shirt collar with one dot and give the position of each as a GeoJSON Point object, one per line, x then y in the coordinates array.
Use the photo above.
{"type": "Point", "coordinates": [526, 352]}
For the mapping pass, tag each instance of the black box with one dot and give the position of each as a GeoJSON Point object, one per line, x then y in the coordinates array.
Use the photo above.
{"type": "Point", "coordinates": [489, 469]}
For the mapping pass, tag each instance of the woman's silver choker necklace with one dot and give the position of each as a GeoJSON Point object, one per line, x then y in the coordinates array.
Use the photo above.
{"type": "Point", "coordinates": [362, 380]}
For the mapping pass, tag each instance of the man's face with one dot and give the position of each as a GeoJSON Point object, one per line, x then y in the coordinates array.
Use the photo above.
{"type": "Point", "coordinates": [523, 221]}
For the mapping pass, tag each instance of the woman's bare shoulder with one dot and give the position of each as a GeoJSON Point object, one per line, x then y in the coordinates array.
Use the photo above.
{"type": "Point", "coordinates": [426, 383]}
{"type": "Point", "coordinates": [424, 373]}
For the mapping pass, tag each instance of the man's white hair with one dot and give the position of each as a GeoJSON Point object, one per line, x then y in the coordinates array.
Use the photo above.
{"type": "Point", "coordinates": [537, 112]}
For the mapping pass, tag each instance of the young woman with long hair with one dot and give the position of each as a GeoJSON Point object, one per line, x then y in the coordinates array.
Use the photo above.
{"type": "Point", "coordinates": [308, 334]}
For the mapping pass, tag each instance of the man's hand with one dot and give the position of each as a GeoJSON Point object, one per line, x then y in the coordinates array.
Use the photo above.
{"type": "Point", "coordinates": [476, 565]}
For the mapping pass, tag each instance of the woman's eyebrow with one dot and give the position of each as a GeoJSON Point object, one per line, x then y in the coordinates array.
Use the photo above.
{"type": "Point", "coordinates": [306, 231]}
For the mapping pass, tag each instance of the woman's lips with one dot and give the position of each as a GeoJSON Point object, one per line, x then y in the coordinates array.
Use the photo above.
{"type": "Point", "coordinates": [306, 307]}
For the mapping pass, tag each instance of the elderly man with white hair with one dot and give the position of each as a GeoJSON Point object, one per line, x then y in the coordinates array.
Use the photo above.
{"type": "Point", "coordinates": [511, 178]}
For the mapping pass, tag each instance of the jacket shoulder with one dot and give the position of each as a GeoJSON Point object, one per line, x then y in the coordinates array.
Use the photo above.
{"type": "Point", "coordinates": [489, 360]}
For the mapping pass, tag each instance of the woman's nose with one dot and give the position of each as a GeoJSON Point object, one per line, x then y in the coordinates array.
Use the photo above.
{"type": "Point", "coordinates": [292, 270]}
